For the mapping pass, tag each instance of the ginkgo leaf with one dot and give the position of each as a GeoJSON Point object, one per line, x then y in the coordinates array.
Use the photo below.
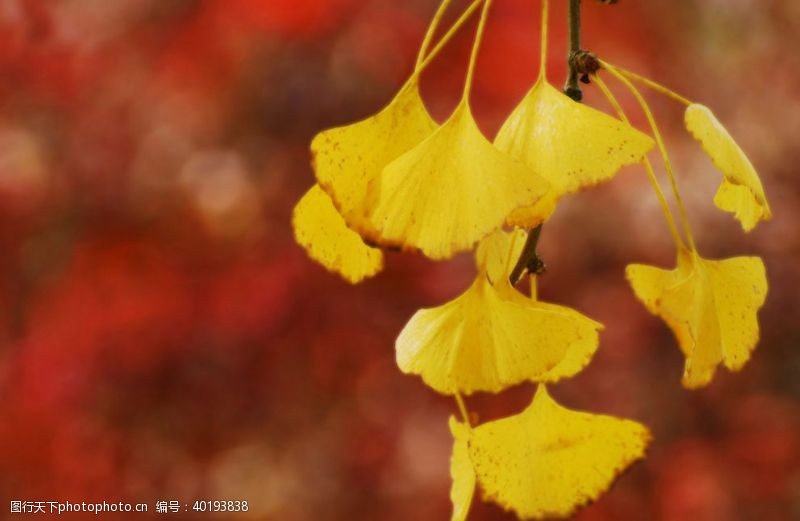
{"type": "Point", "coordinates": [449, 191]}
{"type": "Point", "coordinates": [549, 460]}
{"type": "Point", "coordinates": [571, 145]}
{"type": "Point", "coordinates": [347, 158]}
{"type": "Point", "coordinates": [461, 472]}
{"type": "Point", "coordinates": [492, 337]}
{"type": "Point", "coordinates": [741, 192]}
{"type": "Point", "coordinates": [711, 307]}
{"type": "Point", "coordinates": [320, 229]}
{"type": "Point", "coordinates": [495, 257]}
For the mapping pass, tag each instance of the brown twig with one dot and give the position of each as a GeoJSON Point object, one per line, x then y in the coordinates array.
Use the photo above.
{"type": "Point", "coordinates": [572, 87]}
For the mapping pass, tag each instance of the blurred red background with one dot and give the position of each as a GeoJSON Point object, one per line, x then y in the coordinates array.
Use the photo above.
{"type": "Point", "coordinates": [163, 338]}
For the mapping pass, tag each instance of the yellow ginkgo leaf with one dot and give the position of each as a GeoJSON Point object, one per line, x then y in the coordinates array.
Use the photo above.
{"type": "Point", "coordinates": [347, 158]}
{"type": "Point", "coordinates": [711, 307]}
{"type": "Point", "coordinates": [741, 192]}
{"type": "Point", "coordinates": [571, 145]}
{"type": "Point", "coordinates": [320, 229]}
{"type": "Point", "coordinates": [461, 472]}
{"type": "Point", "coordinates": [495, 257]}
{"type": "Point", "coordinates": [492, 337]}
{"type": "Point", "coordinates": [449, 191]}
{"type": "Point", "coordinates": [549, 460]}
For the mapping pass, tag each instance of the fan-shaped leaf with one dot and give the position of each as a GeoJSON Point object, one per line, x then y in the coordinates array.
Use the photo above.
{"type": "Point", "coordinates": [320, 229]}
{"type": "Point", "coordinates": [741, 192]}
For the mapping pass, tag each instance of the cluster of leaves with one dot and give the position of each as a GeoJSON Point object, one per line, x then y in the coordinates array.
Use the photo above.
{"type": "Point", "coordinates": [144, 352]}
{"type": "Point", "coordinates": [400, 180]}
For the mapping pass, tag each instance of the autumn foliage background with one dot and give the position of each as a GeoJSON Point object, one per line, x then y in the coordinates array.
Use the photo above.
{"type": "Point", "coordinates": [163, 338]}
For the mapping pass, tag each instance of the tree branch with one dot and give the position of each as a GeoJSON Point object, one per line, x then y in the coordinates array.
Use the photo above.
{"type": "Point", "coordinates": [528, 259]}
{"type": "Point", "coordinates": [572, 87]}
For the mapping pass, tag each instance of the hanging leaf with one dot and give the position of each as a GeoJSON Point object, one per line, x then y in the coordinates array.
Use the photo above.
{"type": "Point", "coordinates": [347, 158]}
{"type": "Point", "coordinates": [548, 460]}
{"type": "Point", "coordinates": [492, 337]}
{"type": "Point", "coordinates": [571, 145]}
{"type": "Point", "coordinates": [449, 191]}
{"type": "Point", "coordinates": [711, 307]}
{"type": "Point", "coordinates": [741, 192]}
{"type": "Point", "coordinates": [320, 229]}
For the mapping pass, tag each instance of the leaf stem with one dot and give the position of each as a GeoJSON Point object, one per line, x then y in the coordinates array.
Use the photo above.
{"type": "Point", "coordinates": [476, 45]}
{"type": "Point", "coordinates": [657, 87]}
{"type": "Point", "coordinates": [444, 40]}
{"type": "Point", "coordinates": [648, 166]}
{"type": "Point", "coordinates": [462, 409]}
{"type": "Point", "coordinates": [661, 147]}
{"type": "Point", "coordinates": [534, 288]}
{"type": "Point", "coordinates": [426, 42]}
{"type": "Point", "coordinates": [544, 39]}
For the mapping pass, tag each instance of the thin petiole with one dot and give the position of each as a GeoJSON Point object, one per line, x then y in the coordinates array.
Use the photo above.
{"type": "Point", "coordinates": [676, 236]}
{"type": "Point", "coordinates": [473, 59]}
{"type": "Point", "coordinates": [426, 42]}
{"type": "Point", "coordinates": [446, 38]}
{"type": "Point", "coordinates": [657, 87]}
{"type": "Point", "coordinates": [544, 39]}
{"type": "Point", "coordinates": [661, 146]}
{"type": "Point", "coordinates": [462, 409]}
